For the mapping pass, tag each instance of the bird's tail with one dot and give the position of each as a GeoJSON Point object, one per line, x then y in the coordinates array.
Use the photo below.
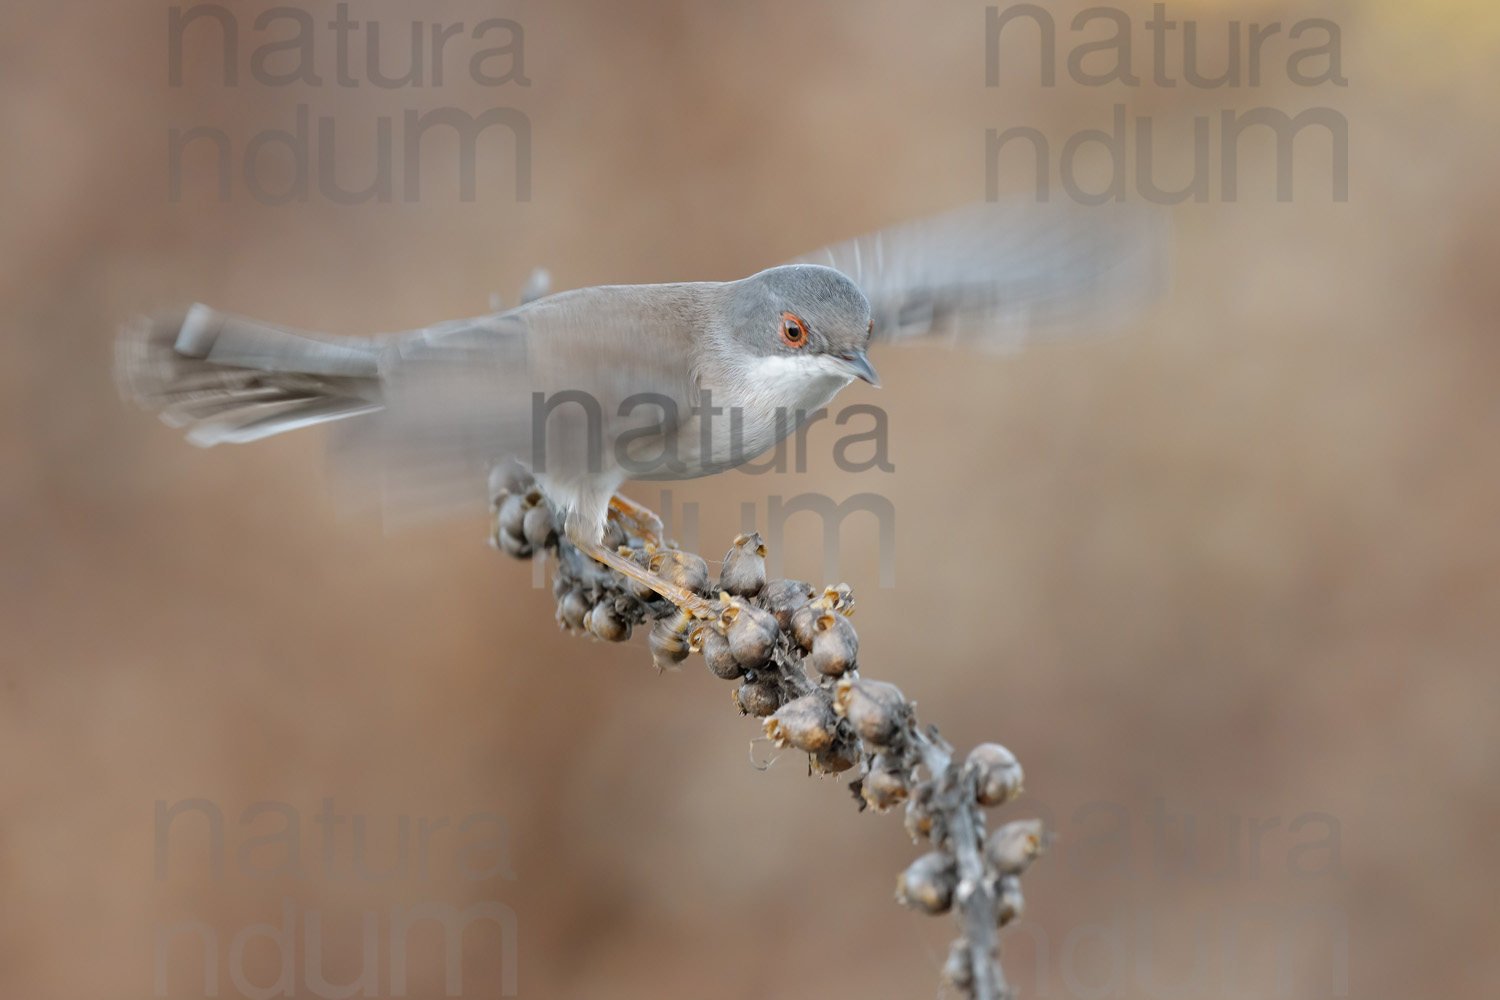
{"type": "Point", "coordinates": [230, 379]}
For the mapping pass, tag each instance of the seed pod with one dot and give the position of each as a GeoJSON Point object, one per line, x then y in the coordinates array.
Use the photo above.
{"type": "Point", "coordinates": [835, 644]}
{"type": "Point", "coordinates": [783, 597]}
{"type": "Point", "coordinates": [537, 526]}
{"type": "Point", "coordinates": [708, 640]}
{"type": "Point", "coordinates": [807, 723]}
{"type": "Point", "coordinates": [804, 622]}
{"type": "Point", "coordinates": [634, 587]}
{"type": "Point", "coordinates": [573, 609]}
{"type": "Point", "coordinates": [509, 477]}
{"type": "Point", "coordinates": [744, 571]}
{"type": "Point", "coordinates": [513, 545]}
{"type": "Point", "coordinates": [840, 756]}
{"type": "Point", "coordinates": [608, 624]}
{"type": "Point", "coordinates": [1013, 847]}
{"type": "Point", "coordinates": [840, 599]}
{"type": "Point", "coordinates": [752, 634]}
{"type": "Point", "coordinates": [877, 710]}
{"type": "Point", "coordinates": [927, 884]}
{"type": "Point", "coordinates": [958, 970]}
{"type": "Point", "coordinates": [919, 815]}
{"type": "Point", "coordinates": [1012, 902]}
{"type": "Point", "coordinates": [883, 788]}
{"type": "Point", "coordinates": [511, 517]}
{"type": "Point", "coordinates": [997, 774]}
{"type": "Point", "coordinates": [759, 697]}
{"type": "Point", "coordinates": [669, 647]}
{"type": "Point", "coordinates": [681, 568]}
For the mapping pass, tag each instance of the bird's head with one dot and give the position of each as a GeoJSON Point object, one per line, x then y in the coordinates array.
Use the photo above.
{"type": "Point", "coordinates": [805, 320]}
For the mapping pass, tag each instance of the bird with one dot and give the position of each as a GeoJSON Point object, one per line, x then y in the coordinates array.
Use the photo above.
{"type": "Point", "coordinates": [590, 388]}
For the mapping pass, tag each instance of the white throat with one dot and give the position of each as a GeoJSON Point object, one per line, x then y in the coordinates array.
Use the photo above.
{"type": "Point", "coordinates": [761, 401]}
{"type": "Point", "coordinates": [806, 383]}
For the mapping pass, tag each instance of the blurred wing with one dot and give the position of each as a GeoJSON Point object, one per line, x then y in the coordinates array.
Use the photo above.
{"type": "Point", "coordinates": [460, 397]}
{"type": "Point", "coordinates": [995, 276]}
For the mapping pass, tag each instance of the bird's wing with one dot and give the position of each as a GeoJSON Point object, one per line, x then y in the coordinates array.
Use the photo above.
{"type": "Point", "coordinates": [461, 397]}
{"type": "Point", "coordinates": [997, 275]}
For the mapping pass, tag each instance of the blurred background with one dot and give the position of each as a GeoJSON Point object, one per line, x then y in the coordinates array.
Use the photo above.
{"type": "Point", "coordinates": [1228, 583]}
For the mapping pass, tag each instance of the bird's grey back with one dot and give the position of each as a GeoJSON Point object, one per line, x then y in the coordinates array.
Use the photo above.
{"type": "Point", "coordinates": [462, 396]}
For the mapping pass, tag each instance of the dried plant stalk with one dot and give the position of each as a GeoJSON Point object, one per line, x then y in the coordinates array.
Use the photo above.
{"type": "Point", "coordinates": [794, 656]}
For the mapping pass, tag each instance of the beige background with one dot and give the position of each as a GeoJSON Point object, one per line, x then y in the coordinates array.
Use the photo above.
{"type": "Point", "coordinates": [1241, 560]}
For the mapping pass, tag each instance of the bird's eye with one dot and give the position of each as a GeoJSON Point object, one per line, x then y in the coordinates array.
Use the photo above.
{"type": "Point", "coordinates": [793, 330]}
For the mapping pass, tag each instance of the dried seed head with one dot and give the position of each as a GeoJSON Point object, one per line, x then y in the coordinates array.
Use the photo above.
{"type": "Point", "coordinates": [511, 517]}
{"type": "Point", "coordinates": [919, 812]}
{"type": "Point", "coordinates": [783, 597]}
{"type": "Point", "coordinates": [958, 970]}
{"type": "Point", "coordinates": [573, 609]}
{"type": "Point", "coordinates": [1012, 902]}
{"type": "Point", "coordinates": [681, 568]}
{"type": "Point", "coordinates": [807, 723]}
{"type": "Point", "coordinates": [507, 478]}
{"type": "Point", "coordinates": [759, 697]}
{"type": "Point", "coordinates": [927, 884]}
{"type": "Point", "coordinates": [752, 633]}
{"type": "Point", "coordinates": [840, 599]}
{"type": "Point", "coordinates": [669, 647]}
{"type": "Point", "coordinates": [715, 649]}
{"type": "Point", "coordinates": [608, 624]}
{"type": "Point", "coordinates": [877, 710]}
{"type": "Point", "coordinates": [513, 545]}
{"type": "Point", "coordinates": [883, 788]}
{"type": "Point", "coordinates": [835, 644]}
{"type": "Point", "coordinates": [744, 570]}
{"type": "Point", "coordinates": [634, 587]}
{"type": "Point", "coordinates": [1012, 848]}
{"type": "Point", "coordinates": [997, 774]}
{"type": "Point", "coordinates": [804, 621]}
{"type": "Point", "coordinates": [840, 756]}
{"type": "Point", "coordinates": [538, 528]}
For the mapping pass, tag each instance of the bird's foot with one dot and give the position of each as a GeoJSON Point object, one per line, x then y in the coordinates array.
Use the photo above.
{"type": "Point", "coordinates": [642, 519]}
{"type": "Point", "coordinates": [683, 598]}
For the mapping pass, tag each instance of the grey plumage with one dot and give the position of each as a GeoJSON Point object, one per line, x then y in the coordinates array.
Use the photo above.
{"type": "Point", "coordinates": [229, 379]}
{"type": "Point", "coordinates": [634, 365]}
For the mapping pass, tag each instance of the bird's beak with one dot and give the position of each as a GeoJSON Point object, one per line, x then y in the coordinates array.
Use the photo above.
{"type": "Point", "coordinates": [859, 366]}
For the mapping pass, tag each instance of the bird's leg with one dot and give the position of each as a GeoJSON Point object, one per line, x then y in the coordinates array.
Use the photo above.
{"type": "Point", "coordinates": [582, 529]}
{"type": "Point", "coordinates": [643, 519]}
{"type": "Point", "coordinates": [683, 598]}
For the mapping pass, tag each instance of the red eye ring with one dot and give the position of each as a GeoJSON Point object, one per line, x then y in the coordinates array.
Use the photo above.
{"type": "Point", "coordinates": [793, 330]}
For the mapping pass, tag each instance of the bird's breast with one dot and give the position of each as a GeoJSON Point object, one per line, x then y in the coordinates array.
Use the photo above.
{"type": "Point", "coordinates": [766, 401]}
{"type": "Point", "coordinates": [740, 415]}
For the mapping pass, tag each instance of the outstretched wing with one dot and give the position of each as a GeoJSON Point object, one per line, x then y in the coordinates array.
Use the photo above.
{"type": "Point", "coordinates": [462, 397]}
{"type": "Point", "coordinates": [995, 276]}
